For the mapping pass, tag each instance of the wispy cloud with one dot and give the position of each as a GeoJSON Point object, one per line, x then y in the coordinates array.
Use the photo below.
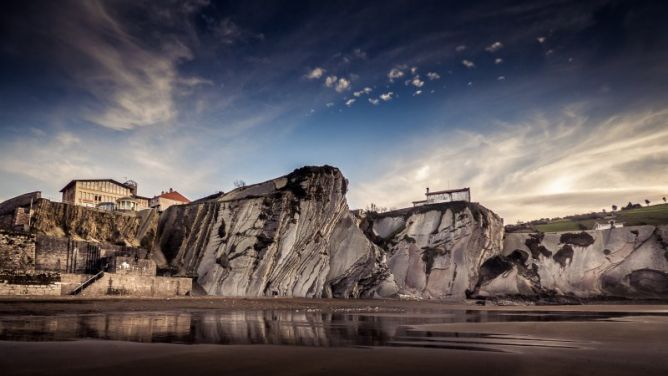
{"type": "Point", "coordinates": [367, 90]}
{"type": "Point", "coordinates": [468, 63]}
{"type": "Point", "coordinates": [433, 76]}
{"type": "Point", "coordinates": [133, 84]}
{"type": "Point", "coordinates": [494, 47]}
{"type": "Point", "coordinates": [498, 60]}
{"type": "Point", "coordinates": [350, 102]}
{"type": "Point", "coordinates": [374, 101]}
{"type": "Point", "coordinates": [538, 168]}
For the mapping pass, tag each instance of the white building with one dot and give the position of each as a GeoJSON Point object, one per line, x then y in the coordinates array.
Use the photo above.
{"type": "Point", "coordinates": [463, 194]}
{"type": "Point", "coordinates": [607, 225]}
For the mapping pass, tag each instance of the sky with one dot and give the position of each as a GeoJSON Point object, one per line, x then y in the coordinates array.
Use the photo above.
{"type": "Point", "coordinates": [543, 109]}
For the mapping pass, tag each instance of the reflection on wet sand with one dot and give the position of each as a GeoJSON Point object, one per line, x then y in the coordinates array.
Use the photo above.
{"type": "Point", "coordinates": [295, 328]}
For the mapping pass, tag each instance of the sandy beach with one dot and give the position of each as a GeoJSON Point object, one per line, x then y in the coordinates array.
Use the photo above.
{"type": "Point", "coordinates": [214, 336]}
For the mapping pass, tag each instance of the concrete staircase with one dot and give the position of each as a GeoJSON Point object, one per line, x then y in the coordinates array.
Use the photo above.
{"type": "Point", "coordinates": [87, 283]}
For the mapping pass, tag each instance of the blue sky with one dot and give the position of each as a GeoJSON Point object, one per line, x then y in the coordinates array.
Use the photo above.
{"type": "Point", "coordinates": [543, 109]}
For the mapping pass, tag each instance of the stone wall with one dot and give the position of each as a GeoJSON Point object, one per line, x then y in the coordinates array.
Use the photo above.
{"type": "Point", "coordinates": [136, 285]}
{"type": "Point", "coordinates": [73, 256]}
{"type": "Point", "coordinates": [12, 289]}
{"type": "Point", "coordinates": [17, 251]}
{"type": "Point", "coordinates": [65, 255]}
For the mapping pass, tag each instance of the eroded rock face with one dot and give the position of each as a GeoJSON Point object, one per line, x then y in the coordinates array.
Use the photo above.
{"type": "Point", "coordinates": [627, 262]}
{"type": "Point", "coordinates": [135, 229]}
{"type": "Point", "coordinates": [435, 251]}
{"type": "Point", "coordinates": [291, 236]}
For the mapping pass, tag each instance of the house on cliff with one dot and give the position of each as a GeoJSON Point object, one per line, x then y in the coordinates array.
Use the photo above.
{"type": "Point", "coordinates": [106, 194]}
{"type": "Point", "coordinates": [167, 199]}
{"type": "Point", "coordinates": [463, 194]}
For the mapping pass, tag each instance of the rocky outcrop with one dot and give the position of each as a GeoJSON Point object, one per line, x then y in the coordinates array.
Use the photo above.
{"type": "Point", "coordinates": [291, 236]}
{"type": "Point", "coordinates": [81, 223]}
{"type": "Point", "coordinates": [628, 262]}
{"type": "Point", "coordinates": [435, 251]}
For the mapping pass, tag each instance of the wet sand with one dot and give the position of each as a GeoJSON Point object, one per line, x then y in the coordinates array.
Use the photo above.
{"type": "Point", "coordinates": [73, 304]}
{"type": "Point", "coordinates": [410, 338]}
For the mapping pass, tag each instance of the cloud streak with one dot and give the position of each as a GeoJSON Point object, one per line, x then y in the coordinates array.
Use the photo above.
{"type": "Point", "coordinates": [537, 168]}
{"type": "Point", "coordinates": [133, 84]}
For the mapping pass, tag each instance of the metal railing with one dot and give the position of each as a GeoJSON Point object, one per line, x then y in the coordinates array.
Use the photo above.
{"type": "Point", "coordinates": [87, 283]}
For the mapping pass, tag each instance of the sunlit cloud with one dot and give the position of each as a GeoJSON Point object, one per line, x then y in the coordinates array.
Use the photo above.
{"type": "Point", "coordinates": [394, 74]}
{"type": "Point", "coordinates": [315, 73]}
{"type": "Point", "coordinates": [417, 82]}
{"type": "Point", "coordinates": [386, 96]}
{"type": "Point", "coordinates": [342, 85]}
{"type": "Point", "coordinates": [330, 81]}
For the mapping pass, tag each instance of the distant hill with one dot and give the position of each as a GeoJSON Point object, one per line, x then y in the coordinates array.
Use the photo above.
{"type": "Point", "coordinates": [646, 215]}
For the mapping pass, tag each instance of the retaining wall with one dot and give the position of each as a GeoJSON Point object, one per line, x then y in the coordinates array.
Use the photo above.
{"type": "Point", "coordinates": [138, 285]}
{"type": "Point", "coordinates": [11, 289]}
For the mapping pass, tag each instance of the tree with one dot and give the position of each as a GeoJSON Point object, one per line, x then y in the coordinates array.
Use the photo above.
{"type": "Point", "coordinates": [647, 202]}
{"type": "Point", "coordinates": [614, 207]}
{"type": "Point", "coordinates": [239, 183]}
{"type": "Point", "coordinates": [375, 208]}
{"type": "Point", "coordinates": [664, 200]}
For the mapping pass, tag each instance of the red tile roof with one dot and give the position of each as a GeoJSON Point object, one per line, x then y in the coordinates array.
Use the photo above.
{"type": "Point", "coordinates": [176, 196]}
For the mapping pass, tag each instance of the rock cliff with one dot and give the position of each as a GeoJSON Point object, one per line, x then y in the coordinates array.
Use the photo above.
{"type": "Point", "coordinates": [291, 236]}
{"type": "Point", "coordinates": [629, 262]}
{"type": "Point", "coordinates": [435, 251]}
{"type": "Point", "coordinates": [80, 223]}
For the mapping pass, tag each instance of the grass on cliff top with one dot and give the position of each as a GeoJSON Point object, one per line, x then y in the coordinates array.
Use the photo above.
{"type": "Point", "coordinates": [648, 215]}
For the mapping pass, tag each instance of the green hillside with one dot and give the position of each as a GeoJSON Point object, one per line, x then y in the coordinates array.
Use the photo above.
{"type": "Point", "coordinates": [648, 215]}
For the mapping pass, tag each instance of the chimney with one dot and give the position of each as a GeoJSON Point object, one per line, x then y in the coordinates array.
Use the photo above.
{"type": "Point", "coordinates": [171, 190]}
{"type": "Point", "coordinates": [427, 191]}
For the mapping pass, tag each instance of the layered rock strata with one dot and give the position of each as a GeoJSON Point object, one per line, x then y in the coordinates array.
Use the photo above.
{"type": "Point", "coordinates": [291, 236]}
{"type": "Point", "coordinates": [435, 251]}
